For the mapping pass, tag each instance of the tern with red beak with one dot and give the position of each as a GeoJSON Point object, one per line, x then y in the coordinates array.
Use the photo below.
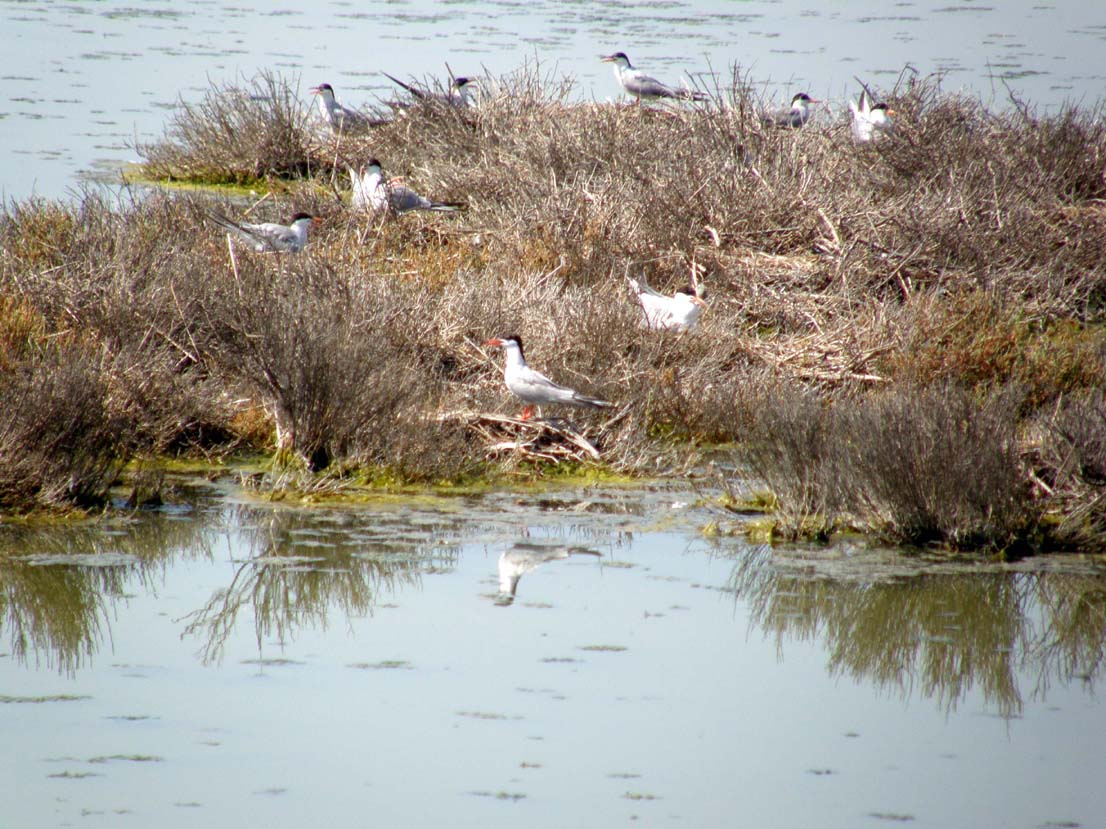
{"type": "Point", "coordinates": [679, 312]}
{"type": "Point", "coordinates": [269, 237]}
{"type": "Point", "coordinates": [459, 93]}
{"type": "Point", "coordinates": [640, 85]}
{"type": "Point", "coordinates": [341, 118]}
{"type": "Point", "coordinates": [532, 387]}
{"type": "Point", "coordinates": [372, 192]}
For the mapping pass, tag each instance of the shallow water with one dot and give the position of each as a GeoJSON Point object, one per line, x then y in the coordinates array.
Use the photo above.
{"type": "Point", "coordinates": [82, 81]}
{"type": "Point", "coordinates": [230, 662]}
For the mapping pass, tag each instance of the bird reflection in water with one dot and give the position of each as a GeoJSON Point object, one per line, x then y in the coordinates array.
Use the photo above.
{"type": "Point", "coordinates": [519, 559]}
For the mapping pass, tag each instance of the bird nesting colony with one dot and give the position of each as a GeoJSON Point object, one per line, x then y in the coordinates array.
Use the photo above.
{"type": "Point", "coordinates": [709, 268]}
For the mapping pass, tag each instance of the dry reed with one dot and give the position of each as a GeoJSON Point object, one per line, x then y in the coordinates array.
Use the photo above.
{"type": "Point", "coordinates": [965, 251]}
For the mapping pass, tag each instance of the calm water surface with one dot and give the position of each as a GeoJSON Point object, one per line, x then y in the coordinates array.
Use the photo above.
{"type": "Point", "coordinates": [224, 662]}
{"type": "Point", "coordinates": [82, 80]}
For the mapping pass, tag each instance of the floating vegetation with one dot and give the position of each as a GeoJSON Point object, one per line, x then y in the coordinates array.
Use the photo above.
{"type": "Point", "coordinates": [106, 559]}
{"type": "Point", "coordinates": [891, 816]}
{"type": "Point", "coordinates": [499, 795]}
{"type": "Point", "coordinates": [604, 648]}
{"type": "Point", "coordinates": [384, 665]}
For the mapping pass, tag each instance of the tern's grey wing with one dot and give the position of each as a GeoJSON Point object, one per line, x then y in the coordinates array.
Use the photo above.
{"type": "Point", "coordinates": [534, 387]}
{"type": "Point", "coordinates": [244, 232]}
{"type": "Point", "coordinates": [351, 118]}
{"type": "Point", "coordinates": [785, 118]}
{"type": "Point", "coordinates": [414, 90]}
{"type": "Point", "coordinates": [404, 199]}
{"type": "Point", "coordinates": [648, 87]}
{"type": "Point", "coordinates": [274, 237]}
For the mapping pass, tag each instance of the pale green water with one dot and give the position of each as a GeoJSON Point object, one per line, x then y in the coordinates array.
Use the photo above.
{"type": "Point", "coordinates": [235, 664]}
{"type": "Point", "coordinates": [82, 80]}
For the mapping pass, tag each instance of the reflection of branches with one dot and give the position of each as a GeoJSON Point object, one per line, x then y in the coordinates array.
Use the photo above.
{"type": "Point", "coordinates": [1071, 640]}
{"type": "Point", "coordinates": [57, 584]}
{"type": "Point", "coordinates": [57, 613]}
{"type": "Point", "coordinates": [944, 633]}
{"type": "Point", "coordinates": [302, 564]}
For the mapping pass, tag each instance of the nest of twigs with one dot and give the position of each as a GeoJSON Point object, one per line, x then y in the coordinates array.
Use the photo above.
{"type": "Point", "coordinates": [543, 440]}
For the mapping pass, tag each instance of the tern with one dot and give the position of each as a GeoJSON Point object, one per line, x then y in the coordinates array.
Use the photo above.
{"type": "Point", "coordinates": [372, 192]}
{"type": "Point", "coordinates": [341, 118]}
{"type": "Point", "coordinates": [794, 116]}
{"type": "Point", "coordinates": [459, 92]}
{"type": "Point", "coordinates": [269, 237]}
{"type": "Point", "coordinates": [640, 85]}
{"type": "Point", "coordinates": [679, 312]}
{"type": "Point", "coordinates": [534, 388]}
{"type": "Point", "coordinates": [868, 121]}
{"type": "Point", "coordinates": [521, 558]}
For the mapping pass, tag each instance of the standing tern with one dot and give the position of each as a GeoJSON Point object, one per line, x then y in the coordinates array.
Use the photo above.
{"type": "Point", "coordinates": [868, 121]}
{"type": "Point", "coordinates": [679, 312]}
{"type": "Point", "coordinates": [640, 85]}
{"type": "Point", "coordinates": [341, 118]}
{"type": "Point", "coordinates": [372, 192]}
{"type": "Point", "coordinates": [459, 93]}
{"type": "Point", "coordinates": [534, 388]}
{"type": "Point", "coordinates": [794, 116]}
{"type": "Point", "coordinates": [269, 237]}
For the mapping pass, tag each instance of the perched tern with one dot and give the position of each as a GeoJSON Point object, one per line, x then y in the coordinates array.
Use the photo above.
{"type": "Point", "coordinates": [533, 388]}
{"type": "Point", "coordinates": [340, 118]}
{"type": "Point", "coordinates": [269, 237]}
{"type": "Point", "coordinates": [459, 92]}
{"type": "Point", "coordinates": [640, 85]}
{"type": "Point", "coordinates": [372, 192]}
{"type": "Point", "coordinates": [794, 116]}
{"type": "Point", "coordinates": [679, 312]}
{"type": "Point", "coordinates": [521, 558]}
{"type": "Point", "coordinates": [868, 121]}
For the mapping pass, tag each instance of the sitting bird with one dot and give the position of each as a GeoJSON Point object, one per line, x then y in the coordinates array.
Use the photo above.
{"type": "Point", "coordinates": [867, 121]}
{"type": "Point", "coordinates": [679, 312]}
{"type": "Point", "coordinates": [458, 94]}
{"type": "Point", "coordinates": [372, 192]}
{"type": "Point", "coordinates": [640, 85]}
{"type": "Point", "coordinates": [341, 118]}
{"type": "Point", "coordinates": [792, 117]}
{"type": "Point", "coordinates": [269, 237]}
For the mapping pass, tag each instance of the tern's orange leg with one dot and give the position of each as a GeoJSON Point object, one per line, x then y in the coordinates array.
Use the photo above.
{"type": "Point", "coordinates": [527, 413]}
